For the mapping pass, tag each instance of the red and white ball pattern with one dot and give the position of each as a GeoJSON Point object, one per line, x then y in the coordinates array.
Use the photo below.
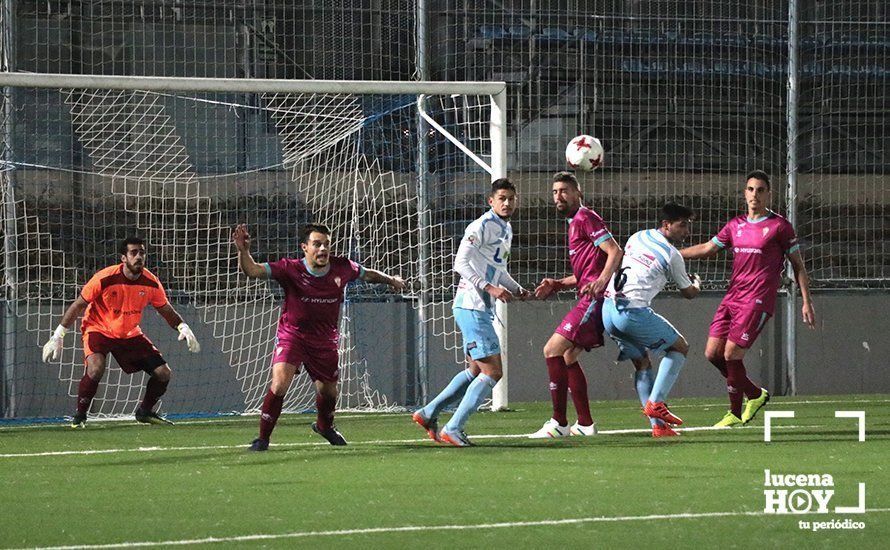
{"type": "Point", "coordinates": [584, 153]}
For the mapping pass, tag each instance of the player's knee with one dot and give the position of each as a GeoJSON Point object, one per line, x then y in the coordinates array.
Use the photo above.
{"type": "Point", "coordinates": [162, 374]}
{"type": "Point", "coordinates": [715, 356]}
{"type": "Point", "coordinates": [279, 387]}
{"type": "Point", "coordinates": [96, 370]}
{"type": "Point", "coordinates": [681, 346]}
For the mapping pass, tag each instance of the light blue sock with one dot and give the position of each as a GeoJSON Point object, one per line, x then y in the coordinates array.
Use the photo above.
{"type": "Point", "coordinates": [643, 382]}
{"type": "Point", "coordinates": [479, 391]}
{"type": "Point", "coordinates": [668, 371]}
{"type": "Point", "coordinates": [452, 392]}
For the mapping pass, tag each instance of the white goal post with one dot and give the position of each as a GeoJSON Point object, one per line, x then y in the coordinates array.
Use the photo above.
{"type": "Point", "coordinates": [92, 106]}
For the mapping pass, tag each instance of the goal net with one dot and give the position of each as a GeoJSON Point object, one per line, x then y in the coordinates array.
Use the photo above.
{"type": "Point", "coordinates": [91, 160]}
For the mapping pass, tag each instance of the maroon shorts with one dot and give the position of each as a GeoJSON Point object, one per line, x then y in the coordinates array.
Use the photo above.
{"type": "Point", "coordinates": [583, 326]}
{"type": "Point", "coordinates": [738, 324]}
{"type": "Point", "coordinates": [321, 363]}
{"type": "Point", "coordinates": [132, 354]}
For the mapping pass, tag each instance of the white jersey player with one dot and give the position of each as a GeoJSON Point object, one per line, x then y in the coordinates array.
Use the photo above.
{"type": "Point", "coordinates": [650, 261]}
{"type": "Point", "coordinates": [481, 262]}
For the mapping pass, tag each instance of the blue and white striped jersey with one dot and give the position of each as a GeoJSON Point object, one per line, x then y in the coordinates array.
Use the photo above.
{"type": "Point", "coordinates": [650, 261]}
{"type": "Point", "coordinates": [482, 259]}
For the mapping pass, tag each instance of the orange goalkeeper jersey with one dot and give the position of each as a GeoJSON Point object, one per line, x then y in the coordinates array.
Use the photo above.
{"type": "Point", "coordinates": [116, 302]}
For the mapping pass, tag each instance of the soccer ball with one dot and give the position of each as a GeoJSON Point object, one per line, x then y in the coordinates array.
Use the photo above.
{"type": "Point", "coordinates": [584, 153]}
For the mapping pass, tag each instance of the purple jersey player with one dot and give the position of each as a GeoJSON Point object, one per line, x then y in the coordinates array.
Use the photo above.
{"type": "Point", "coordinates": [307, 330]}
{"type": "Point", "coordinates": [760, 241]}
{"type": "Point", "coordinates": [594, 256]}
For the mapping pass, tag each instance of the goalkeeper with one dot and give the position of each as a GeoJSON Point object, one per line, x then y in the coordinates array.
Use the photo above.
{"type": "Point", "coordinates": [112, 302]}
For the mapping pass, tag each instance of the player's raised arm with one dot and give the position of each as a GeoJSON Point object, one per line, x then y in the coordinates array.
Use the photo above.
{"type": "Point", "coordinates": [803, 281]}
{"type": "Point", "coordinates": [241, 238]}
{"type": "Point", "coordinates": [614, 255]}
{"type": "Point", "coordinates": [53, 347]}
{"type": "Point", "coordinates": [378, 277]}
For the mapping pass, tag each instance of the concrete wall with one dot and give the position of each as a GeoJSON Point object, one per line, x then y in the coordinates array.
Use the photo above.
{"type": "Point", "coordinates": [847, 353]}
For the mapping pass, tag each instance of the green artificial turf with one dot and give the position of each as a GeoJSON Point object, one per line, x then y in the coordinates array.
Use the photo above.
{"type": "Point", "coordinates": [196, 480]}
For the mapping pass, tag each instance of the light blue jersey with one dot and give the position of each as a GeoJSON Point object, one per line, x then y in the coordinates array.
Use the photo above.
{"type": "Point", "coordinates": [650, 260]}
{"type": "Point", "coordinates": [482, 259]}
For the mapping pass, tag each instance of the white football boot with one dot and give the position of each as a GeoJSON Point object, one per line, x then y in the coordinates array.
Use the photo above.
{"type": "Point", "coordinates": [578, 429]}
{"type": "Point", "coordinates": [551, 428]}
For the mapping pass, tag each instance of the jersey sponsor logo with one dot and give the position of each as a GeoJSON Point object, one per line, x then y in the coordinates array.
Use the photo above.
{"type": "Point", "coordinates": [645, 259]}
{"type": "Point", "coordinates": [319, 300]}
{"type": "Point", "coordinates": [747, 250]}
{"type": "Point", "coordinates": [127, 312]}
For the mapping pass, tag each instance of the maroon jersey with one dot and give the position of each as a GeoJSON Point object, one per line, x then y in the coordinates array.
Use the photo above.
{"type": "Point", "coordinates": [759, 248]}
{"type": "Point", "coordinates": [311, 310]}
{"type": "Point", "coordinates": [587, 231]}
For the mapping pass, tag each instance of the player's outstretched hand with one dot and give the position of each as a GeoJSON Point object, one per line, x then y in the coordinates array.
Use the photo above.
{"type": "Point", "coordinates": [809, 315]}
{"type": "Point", "coordinates": [547, 287]}
{"type": "Point", "coordinates": [52, 349]}
{"type": "Point", "coordinates": [185, 333]}
{"type": "Point", "coordinates": [524, 295]}
{"type": "Point", "coordinates": [499, 293]}
{"type": "Point", "coordinates": [397, 283]}
{"type": "Point", "coordinates": [241, 237]}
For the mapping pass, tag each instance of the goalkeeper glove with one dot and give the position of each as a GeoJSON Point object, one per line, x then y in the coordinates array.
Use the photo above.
{"type": "Point", "coordinates": [185, 333]}
{"type": "Point", "coordinates": [53, 347]}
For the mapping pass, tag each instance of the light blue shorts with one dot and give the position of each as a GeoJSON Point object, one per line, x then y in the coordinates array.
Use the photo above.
{"type": "Point", "coordinates": [637, 329]}
{"type": "Point", "coordinates": [477, 329]}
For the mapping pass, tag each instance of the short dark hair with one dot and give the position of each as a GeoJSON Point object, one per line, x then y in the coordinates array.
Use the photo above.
{"type": "Point", "coordinates": [566, 177]}
{"type": "Point", "coordinates": [759, 175]}
{"type": "Point", "coordinates": [125, 244]}
{"type": "Point", "coordinates": [310, 228]}
{"type": "Point", "coordinates": [673, 212]}
{"type": "Point", "coordinates": [499, 184]}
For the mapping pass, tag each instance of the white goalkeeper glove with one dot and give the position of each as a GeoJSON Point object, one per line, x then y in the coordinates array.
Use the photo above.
{"type": "Point", "coordinates": [696, 280]}
{"type": "Point", "coordinates": [185, 333]}
{"type": "Point", "coordinates": [52, 349]}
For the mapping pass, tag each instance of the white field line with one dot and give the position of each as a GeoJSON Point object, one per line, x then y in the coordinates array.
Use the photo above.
{"type": "Point", "coordinates": [365, 415]}
{"type": "Point", "coordinates": [427, 528]}
{"type": "Point", "coordinates": [372, 442]}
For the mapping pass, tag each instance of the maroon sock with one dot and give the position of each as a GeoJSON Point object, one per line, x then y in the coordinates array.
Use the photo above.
{"type": "Point", "coordinates": [325, 405]}
{"type": "Point", "coordinates": [578, 388]}
{"type": "Point", "coordinates": [85, 392]}
{"type": "Point", "coordinates": [154, 389]}
{"type": "Point", "coordinates": [720, 363]}
{"type": "Point", "coordinates": [749, 388]}
{"type": "Point", "coordinates": [269, 414]}
{"type": "Point", "coordinates": [559, 387]}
